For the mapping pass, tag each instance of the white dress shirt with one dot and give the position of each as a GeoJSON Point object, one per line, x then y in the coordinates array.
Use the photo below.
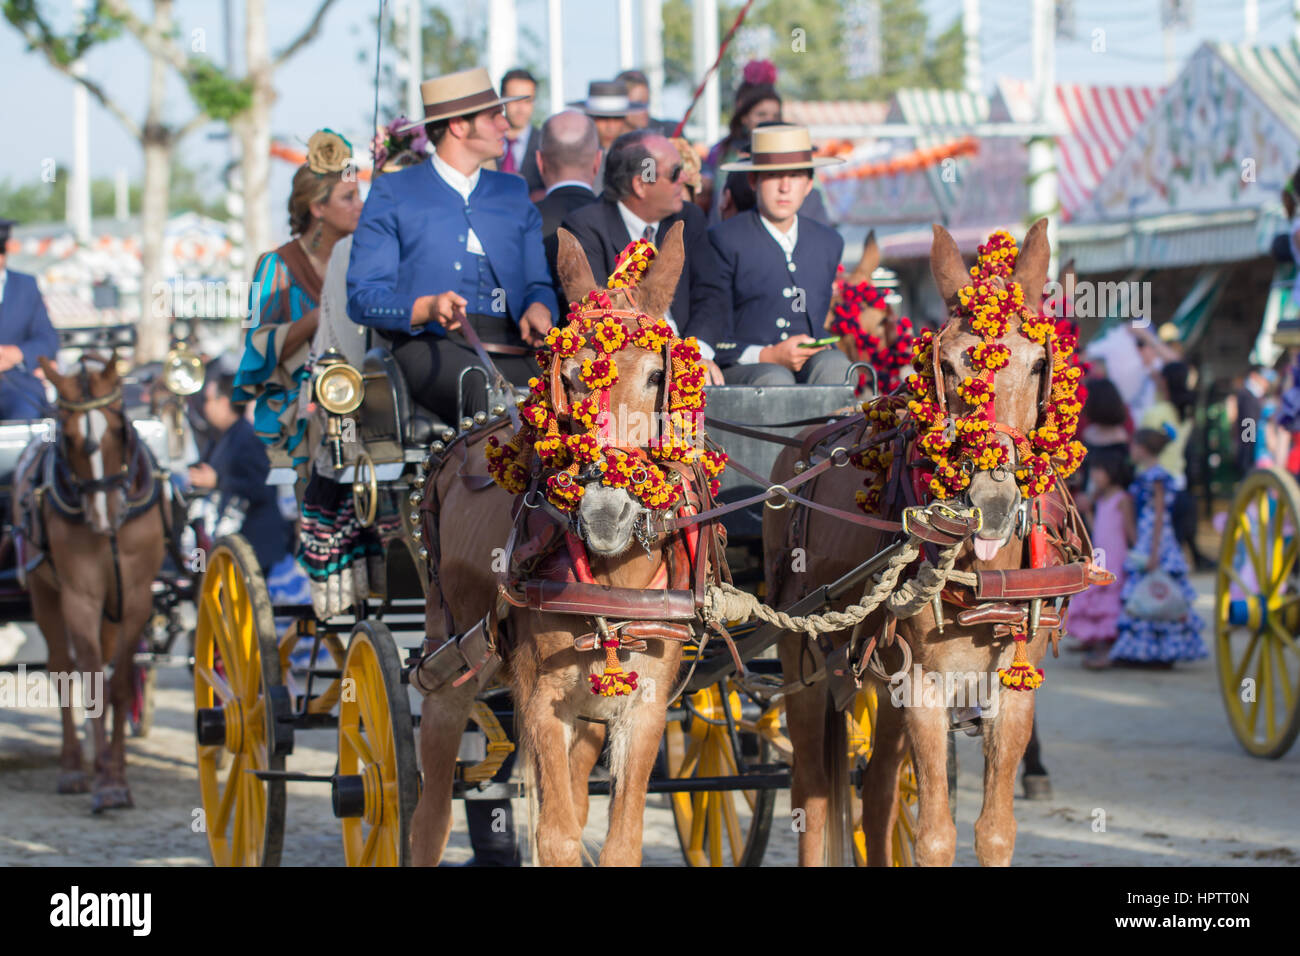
{"type": "Point", "coordinates": [464, 185]}
{"type": "Point", "coordinates": [636, 227]}
{"type": "Point", "coordinates": [519, 148]}
{"type": "Point", "coordinates": [787, 241]}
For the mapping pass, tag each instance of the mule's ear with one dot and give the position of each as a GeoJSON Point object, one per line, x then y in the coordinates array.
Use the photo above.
{"type": "Point", "coordinates": [654, 293]}
{"type": "Point", "coordinates": [869, 262]}
{"type": "Point", "coordinates": [52, 374]}
{"type": "Point", "coordinates": [572, 267]}
{"type": "Point", "coordinates": [1031, 264]}
{"type": "Point", "coordinates": [950, 273]}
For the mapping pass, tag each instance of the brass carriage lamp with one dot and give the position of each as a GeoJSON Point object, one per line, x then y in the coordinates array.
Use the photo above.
{"type": "Point", "coordinates": [182, 370]}
{"type": "Point", "coordinates": [339, 389]}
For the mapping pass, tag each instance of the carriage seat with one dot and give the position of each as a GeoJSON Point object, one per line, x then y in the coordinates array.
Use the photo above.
{"type": "Point", "coordinates": [387, 412]}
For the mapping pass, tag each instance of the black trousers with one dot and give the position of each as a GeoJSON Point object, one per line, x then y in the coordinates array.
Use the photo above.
{"type": "Point", "coordinates": [433, 365]}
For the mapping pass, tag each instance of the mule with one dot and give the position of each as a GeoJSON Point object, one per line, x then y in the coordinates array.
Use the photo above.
{"type": "Point", "coordinates": [562, 724]}
{"type": "Point", "coordinates": [89, 504]}
{"type": "Point", "coordinates": [815, 729]}
{"type": "Point", "coordinates": [870, 329]}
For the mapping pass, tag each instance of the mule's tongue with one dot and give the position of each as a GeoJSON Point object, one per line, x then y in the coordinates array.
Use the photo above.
{"type": "Point", "coordinates": [986, 548]}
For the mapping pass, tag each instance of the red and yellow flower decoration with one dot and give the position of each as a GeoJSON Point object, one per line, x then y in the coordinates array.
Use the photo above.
{"type": "Point", "coordinates": [888, 360]}
{"type": "Point", "coordinates": [561, 454]}
{"type": "Point", "coordinates": [988, 305]}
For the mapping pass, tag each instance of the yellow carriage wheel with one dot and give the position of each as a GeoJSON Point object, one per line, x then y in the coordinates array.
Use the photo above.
{"type": "Point", "coordinates": [235, 666]}
{"type": "Point", "coordinates": [325, 691]}
{"type": "Point", "coordinates": [377, 784]}
{"type": "Point", "coordinates": [861, 718]}
{"type": "Point", "coordinates": [1257, 613]}
{"type": "Point", "coordinates": [724, 827]}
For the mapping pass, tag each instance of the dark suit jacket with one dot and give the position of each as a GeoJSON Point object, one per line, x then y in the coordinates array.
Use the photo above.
{"type": "Point", "coordinates": [553, 209]}
{"type": "Point", "coordinates": [764, 295]}
{"type": "Point", "coordinates": [239, 459]}
{"type": "Point", "coordinates": [699, 295]}
{"type": "Point", "coordinates": [529, 171]}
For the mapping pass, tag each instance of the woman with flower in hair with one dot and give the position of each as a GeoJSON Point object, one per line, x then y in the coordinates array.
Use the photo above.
{"type": "Point", "coordinates": [324, 206]}
{"type": "Point", "coordinates": [757, 101]}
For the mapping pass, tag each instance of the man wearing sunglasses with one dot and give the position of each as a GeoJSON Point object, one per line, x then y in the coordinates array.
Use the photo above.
{"type": "Point", "coordinates": [643, 198]}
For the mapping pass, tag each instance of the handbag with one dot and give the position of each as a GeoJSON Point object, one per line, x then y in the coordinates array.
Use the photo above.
{"type": "Point", "coordinates": [1157, 597]}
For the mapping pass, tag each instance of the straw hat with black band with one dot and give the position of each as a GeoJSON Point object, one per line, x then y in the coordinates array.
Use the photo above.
{"type": "Point", "coordinates": [458, 94]}
{"type": "Point", "coordinates": [777, 148]}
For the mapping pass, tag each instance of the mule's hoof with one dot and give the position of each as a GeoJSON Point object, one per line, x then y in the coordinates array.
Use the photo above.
{"type": "Point", "coordinates": [1038, 786]}
{"type": "Point", "coordinates": [111, 798]}
{"type": "Point", "coordinates": [73, 781]}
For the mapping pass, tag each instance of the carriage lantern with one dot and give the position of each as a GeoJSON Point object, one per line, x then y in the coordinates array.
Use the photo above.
{"type": "Point", "coordinates": [182, 370]}
{"type": "Point", "coordinates": [339, 390]}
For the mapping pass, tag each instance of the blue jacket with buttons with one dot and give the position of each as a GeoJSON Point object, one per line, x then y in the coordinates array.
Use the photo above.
{"type": "Point", "coordinates": [763, 291]}
{"type": "Point", "coordinates": [412, 241]}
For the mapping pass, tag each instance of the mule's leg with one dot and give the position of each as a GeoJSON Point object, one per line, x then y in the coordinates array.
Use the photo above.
{"type": "Point", "coordinates": [559, 834]}
{"type": "Point", "coordinates": [633, 749]}
{"type": "Point", "coordinates": [49, 618]}
{"type": "Point", "coordinates": [121, 641]}
{"type": "Point", "coordinates": [82, 616]}
{"type": "Point", "coordinates": [588, 740]}
{"type": "Point", "coordinates": [1005, 738]}
{"type": "Point", "coordinates": [443, 717]}
{"type": "Point", "coordinates": [805, 715]}
{"type": "Point", "coordinates": [880, 786]}
{"type": "Point", "coordinates": [936, 834]}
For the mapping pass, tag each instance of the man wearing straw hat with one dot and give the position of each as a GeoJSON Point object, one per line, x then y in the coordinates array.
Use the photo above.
{"type": "Point", "coordinates": [778, 269]}
{"type": "Point", "coordinates": [444, 243]}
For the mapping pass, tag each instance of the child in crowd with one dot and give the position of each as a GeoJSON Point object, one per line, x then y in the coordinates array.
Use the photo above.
{"type": "Point", "coordinates": [1143, 642]}
{"type": "Point", "coordinates": [1094, 614]}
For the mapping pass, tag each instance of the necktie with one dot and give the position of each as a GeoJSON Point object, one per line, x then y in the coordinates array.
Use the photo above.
{"type": "Point", "coordinates": [649, 234]}
{"type": "Point", "coordinates": [508, 160]}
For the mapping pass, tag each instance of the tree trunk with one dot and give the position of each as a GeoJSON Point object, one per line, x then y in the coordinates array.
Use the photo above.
{"type": "Point", "coordinates": [156, 141]}
{"type": "Point", "coordinates": [254, 130]}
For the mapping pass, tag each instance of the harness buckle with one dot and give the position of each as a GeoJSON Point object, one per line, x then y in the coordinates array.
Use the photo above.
{"type": "Point", "coordinates": [785, 497]}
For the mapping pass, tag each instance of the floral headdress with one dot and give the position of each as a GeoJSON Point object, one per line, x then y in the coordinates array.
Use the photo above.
{"type": "Point", "coordinates": [391, 140]}
{"type": "Point", "coordinates": [328, 152]}
{"type": "Point", "coordinates": [560, 455]}
{"type": "Point", "coordinates": [1050, 450]}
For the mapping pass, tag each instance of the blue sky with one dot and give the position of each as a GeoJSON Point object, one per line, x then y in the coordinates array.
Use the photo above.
{"type": "Point", "coordinates": [327, 85]}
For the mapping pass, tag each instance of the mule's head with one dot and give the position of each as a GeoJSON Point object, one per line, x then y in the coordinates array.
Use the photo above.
{"type": "Point", "coordinates": [92, 431]}
{"type": "Point", "coordinates": [608, 516]}
{"type": "Point", "coordinates": [1021, 387]}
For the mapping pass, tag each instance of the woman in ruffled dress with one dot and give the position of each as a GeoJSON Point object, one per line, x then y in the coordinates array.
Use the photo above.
{"type": "Point", "coordinates": [1144, 642]}
{"type": "Point", "coordinates": [1094, 615]}
{"type": "Point", "coordinates": [324, 206]}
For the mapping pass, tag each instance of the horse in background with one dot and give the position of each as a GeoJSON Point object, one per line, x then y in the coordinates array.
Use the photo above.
{"type": "Point", "coordinates": [869, 327]}
{"type": "Point", "coordinates": [87, 508]}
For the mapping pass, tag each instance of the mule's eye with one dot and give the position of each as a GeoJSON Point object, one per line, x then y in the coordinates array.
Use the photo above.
{"type": "Point", "coordinates": [1040, 366]}
{"type": "Point", "coordinates": [656, 378]}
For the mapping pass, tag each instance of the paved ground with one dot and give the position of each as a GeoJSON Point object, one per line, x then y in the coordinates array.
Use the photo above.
{"type": "Point", "coordinates": [1150, 749]}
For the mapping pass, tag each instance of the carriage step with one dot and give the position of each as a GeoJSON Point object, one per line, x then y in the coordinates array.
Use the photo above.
{"type": "Point", "coordinates": [292, 776]}
{"type": "Point", "coordinates": [752, 781]}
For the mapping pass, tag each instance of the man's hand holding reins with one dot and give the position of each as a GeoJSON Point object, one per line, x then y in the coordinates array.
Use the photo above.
{"type": "Point", "coordinates": [535, 324]}
{"type": "Point", "coordinates": [447, 309]}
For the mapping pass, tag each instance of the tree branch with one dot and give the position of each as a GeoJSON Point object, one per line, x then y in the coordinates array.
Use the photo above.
{"type": "Point", "coordinates": [307, 35]}
{"type": "Point", "coordinates": [197, 120]}
{"type": "Point", "coordinates": [153, 40]}
{"type": "Point", "coordinates": [97, 91]}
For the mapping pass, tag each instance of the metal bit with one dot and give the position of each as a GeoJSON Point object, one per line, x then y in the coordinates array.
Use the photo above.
{"type": "Point", "coordinates": [936, 603]}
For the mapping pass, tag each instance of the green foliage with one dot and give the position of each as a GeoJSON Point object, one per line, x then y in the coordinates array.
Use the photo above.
{"type": "Point", "coordinates": [820, 70]}
{"type": "Point", "coordinates": [219, 95]}
{"type": "Point", "coordinates": [98, 27]}
{"type": "Point", "coordinates": [443, 52]}
{"type": "Point", "coordinates": [37, 201]}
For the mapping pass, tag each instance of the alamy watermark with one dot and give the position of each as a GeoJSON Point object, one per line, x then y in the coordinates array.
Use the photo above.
{"type": "Point", "coordinates": [184, 298]}
{"type": "Point", "coordinates": [964, 689]}
{"type": "Point", "coordinates": [40, 689]}
{"type": "Point", "coordinates": [1090, 300]}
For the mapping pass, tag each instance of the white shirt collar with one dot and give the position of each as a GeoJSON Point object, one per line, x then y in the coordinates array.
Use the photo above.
{"type": "Point", "coordinates": [636, 226]}
{"type": "Point", "coordinates": [4, 276]}
{"type": "Point", "coordinates": [455, 178]}
{"type": "Point", "coordinates": [786, 240]}
{"type": "Point", "coordinates": [570, 182]}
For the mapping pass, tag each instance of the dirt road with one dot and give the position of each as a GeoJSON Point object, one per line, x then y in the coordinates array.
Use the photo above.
{"type": "Point", "coordinates": [1148, 754]}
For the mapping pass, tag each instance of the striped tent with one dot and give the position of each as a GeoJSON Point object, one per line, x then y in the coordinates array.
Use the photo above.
{"type": "Point", "coordinates": [1273, 73]}
{"type": "Point", "coordinates": [1098, 121]}
{"type": "Point", "coordinates": [944, 110]}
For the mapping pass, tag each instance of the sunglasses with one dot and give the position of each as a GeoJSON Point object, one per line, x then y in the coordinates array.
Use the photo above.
{"type": "Point", "coordinates": [677, 172]}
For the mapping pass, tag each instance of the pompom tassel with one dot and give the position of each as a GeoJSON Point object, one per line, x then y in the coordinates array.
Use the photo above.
{"type": "Point", "coordinates": [613, 683]}
{"type": "Point", "coordinates": [1021, 675]}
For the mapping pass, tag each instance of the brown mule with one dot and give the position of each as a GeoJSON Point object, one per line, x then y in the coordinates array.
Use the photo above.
{"type": "Point", "coordinates": [880, 322]}
{"type": "Point", "coordinates": [90, 504]}
{"type": "Point", "coordinates": [922, 722]}
{"type": "Point", "coordinates": [562, 725]}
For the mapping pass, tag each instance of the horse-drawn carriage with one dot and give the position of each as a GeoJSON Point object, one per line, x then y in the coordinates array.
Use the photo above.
{"type": "Point", "coordinates": [444, 499]}
{"type": "Point", "coordinates": [154, 405]}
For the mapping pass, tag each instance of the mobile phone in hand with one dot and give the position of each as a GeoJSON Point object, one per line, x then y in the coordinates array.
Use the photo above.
{"type": "Point", "coordinates": [820, 343]}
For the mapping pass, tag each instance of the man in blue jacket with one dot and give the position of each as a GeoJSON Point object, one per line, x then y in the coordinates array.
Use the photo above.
{"type": "Point", "coordinates": [25, 334]}
{"type": "Point", "coordinates": [446, 243]}
{"type": "Point", "coordinates": [779, 271]}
